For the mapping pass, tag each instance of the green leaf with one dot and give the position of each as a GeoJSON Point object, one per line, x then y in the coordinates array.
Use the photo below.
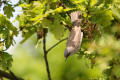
{"type": "Point", "coordinates": [101, 17]}
{"type": "Point", "coordinates": [116, 10]}
{"type": "Point", "coordinates": [99, 2]}
{"type": "Point", "coordinates": [68, 3]}
{"type": "Point", "coordinates": [46, 23]}
{"type": "Point", "coordinates": [56, 28]}
{"type": "Point", "coordinates": [5, 60]}
{"type": "Point", "coordinates": [7, 32]}
{"type": "Point", "coordinates": [116, 70]}
{"type": "Point", "coordinates": [8, 9]}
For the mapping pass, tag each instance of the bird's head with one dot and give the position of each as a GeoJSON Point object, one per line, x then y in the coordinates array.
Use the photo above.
{"type": "Point", "coordinates": [66, 54]}
{"type": "Point", "coordinates": [68, 51]}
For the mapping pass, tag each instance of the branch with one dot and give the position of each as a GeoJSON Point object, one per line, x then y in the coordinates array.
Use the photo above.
{"type": "Point", "coordinates": [45, 54]}
{"type": "Point", "coordinates": [56, 44]}
{"type": "Point", "coordinates": [9, 76]}
{"type": "Point", "coordinates": [31, 1]}
{"type": "Point", "coordinates": [1, 78]}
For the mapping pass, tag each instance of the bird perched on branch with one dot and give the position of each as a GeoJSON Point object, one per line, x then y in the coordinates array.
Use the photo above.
{"type": "Point", "coordinates": [75, 38]}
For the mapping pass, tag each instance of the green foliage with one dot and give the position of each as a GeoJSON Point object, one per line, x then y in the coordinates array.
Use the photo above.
{"type": "Point", "coordinates": [103, 54]}
{"type": "Point", "coordinates": [116, 10]}
{"type": "Point", "coordinates": [56, 27]}
{"type": "Point", "coordinates": [7, 32]}
{"type": "Point", "coordinates": [98, 53]}
{"type": "Point", "coordinates": [38, 15]}
{"type": "Point", "coordinates": [98, 57]}
{"type": "Point", "coordinates": [8, 10]}
{"type": "Point", "coordinates": [5, 60]}
{"type": "Point", "coordinates": [101, 17]}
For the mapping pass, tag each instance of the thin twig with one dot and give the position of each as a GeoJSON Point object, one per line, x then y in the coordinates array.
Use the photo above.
{"type": "Point", "coordinates": [9, 76]}
{"type": "Point", "coordinates": [56, 44]}
{"type": "Point", "coordinates": [45, 55]}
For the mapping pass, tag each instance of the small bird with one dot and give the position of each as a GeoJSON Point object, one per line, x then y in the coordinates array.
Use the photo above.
{"type": "Point", "coordinates": [75, 38]}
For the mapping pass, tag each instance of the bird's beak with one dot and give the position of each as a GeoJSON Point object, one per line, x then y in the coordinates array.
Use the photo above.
{"type": "Point", "coordinates": [66, 59]}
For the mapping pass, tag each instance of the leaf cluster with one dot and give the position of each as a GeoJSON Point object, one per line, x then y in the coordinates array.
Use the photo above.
{"type": "Point", "coordinates": [5, 60]}
{"type": "Point", "coordinates": [7, 32]}
{"type": "Point", "coordinates": [39, 15]}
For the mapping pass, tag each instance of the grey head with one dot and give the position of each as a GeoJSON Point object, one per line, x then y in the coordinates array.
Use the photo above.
{"type": "Point", "coordinates": [66, 54]}
{"type": "Point", "coordinates": [68, 51]}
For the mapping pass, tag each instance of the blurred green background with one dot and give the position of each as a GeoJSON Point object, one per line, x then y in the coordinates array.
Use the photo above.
{"type": "Point", "coordinates": [29, 62]}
